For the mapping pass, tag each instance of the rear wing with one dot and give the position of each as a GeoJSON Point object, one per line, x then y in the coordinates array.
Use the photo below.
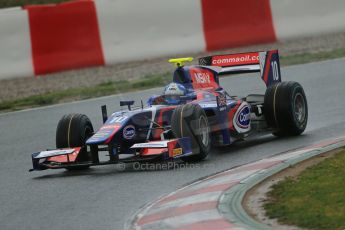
{"type": "Point", "coordinates": [265, 62]}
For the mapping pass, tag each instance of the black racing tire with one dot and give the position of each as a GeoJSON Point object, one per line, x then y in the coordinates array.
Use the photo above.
{"type": "Point", "coordinates": [286, 108]}
{"type": "Point", "coordinates": [190, 120]}
{"type": "Point", "coordinates": [72, 131]}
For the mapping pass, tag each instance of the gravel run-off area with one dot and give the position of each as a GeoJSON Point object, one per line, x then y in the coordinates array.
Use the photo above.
{"type": "Point", "coordinates": [11, 89]}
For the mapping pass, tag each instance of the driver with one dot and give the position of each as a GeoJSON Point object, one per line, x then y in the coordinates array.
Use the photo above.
{"type": "Point", "coordinates": [171, 95]}
{"type": "Point", "coordinates": [173, 92]}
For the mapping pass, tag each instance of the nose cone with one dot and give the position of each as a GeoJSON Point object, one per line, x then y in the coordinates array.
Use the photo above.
{"type": "Point", "coordinates": [103, 135]}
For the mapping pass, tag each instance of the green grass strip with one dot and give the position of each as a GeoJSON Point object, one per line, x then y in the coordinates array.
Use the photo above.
{"type": "Point", "coordinates": [14, 3]}
{"type": "Point", "coordinates": [108, 88]}
{"type": "Point", "coordinates": [312, 57]}
{"type": "Point", "coordinates": [315, 200]}
{"type": "Point", "coordinates": [115, 87]}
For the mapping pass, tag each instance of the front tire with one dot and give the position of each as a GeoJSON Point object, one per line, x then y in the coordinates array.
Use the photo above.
{"type": "Point", "coordinates": [191, 121]}
{"type": "Point", "coordinates": [72, 131]}
{"type": "Point", "coordinates": [286, 108]}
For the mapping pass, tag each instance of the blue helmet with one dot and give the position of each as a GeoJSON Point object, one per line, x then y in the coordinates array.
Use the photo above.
{"type": "Point", "coordinates": [173, 93]}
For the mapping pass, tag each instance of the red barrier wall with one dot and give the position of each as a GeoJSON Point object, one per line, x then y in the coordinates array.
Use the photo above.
{"type": "Point", "coordinates": [84, 33]}
{"type": "Point", "coordinates": [231, 23]}
{"type": "Point", "coordinates": [64, 36]}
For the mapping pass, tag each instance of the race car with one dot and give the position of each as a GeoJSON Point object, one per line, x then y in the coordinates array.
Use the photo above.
{"type": "Point", "coordinates": [193, 113]}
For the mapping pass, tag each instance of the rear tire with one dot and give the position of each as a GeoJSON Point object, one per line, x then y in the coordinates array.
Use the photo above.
{"type": "Point", "coordinates": [72, 131]}
{"type": "Point", "coordinates": [191, 121]}
{"type": "Point", "coordinates": [286, 108]}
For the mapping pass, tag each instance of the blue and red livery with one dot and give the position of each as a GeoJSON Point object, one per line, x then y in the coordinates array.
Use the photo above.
{"type": "Point", "coordinates": [206, 116]}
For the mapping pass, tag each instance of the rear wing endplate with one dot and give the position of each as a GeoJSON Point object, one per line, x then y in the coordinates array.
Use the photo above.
{"type": "Point", "coordinates": [265, 62]}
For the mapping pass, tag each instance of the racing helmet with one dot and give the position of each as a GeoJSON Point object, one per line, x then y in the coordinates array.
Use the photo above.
{"type": "Point", "coordinates": [173, 93]}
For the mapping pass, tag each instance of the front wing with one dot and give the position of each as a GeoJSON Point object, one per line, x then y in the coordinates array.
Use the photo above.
{"type": "Point", "coordinates": [153, 150]}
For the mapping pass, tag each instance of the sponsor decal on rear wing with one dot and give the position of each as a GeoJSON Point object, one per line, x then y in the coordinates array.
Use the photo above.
{"type": "Point", "coordinates": [265, 62]}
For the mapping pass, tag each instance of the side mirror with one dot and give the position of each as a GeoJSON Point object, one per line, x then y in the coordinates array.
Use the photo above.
{"type": "Point", "coordinates": [128, 103]}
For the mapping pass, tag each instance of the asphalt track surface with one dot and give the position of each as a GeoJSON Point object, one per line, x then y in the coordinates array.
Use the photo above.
{"type": "Point", "coordinates": [106, 197]}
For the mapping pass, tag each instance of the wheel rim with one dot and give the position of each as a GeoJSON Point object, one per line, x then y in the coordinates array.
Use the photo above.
{"type": "Point", "coordinates": [204, 131]}
{"type": "Point", "coordinates": [300, 110]}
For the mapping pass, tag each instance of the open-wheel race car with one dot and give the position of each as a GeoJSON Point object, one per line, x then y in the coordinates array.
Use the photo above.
{"type": "Point", "coordinates": [193, 113]}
